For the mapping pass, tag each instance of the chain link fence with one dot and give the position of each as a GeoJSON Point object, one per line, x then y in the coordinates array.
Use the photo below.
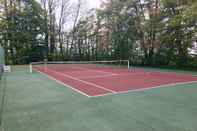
{"type": "Point", "coordinates": [2, 87]}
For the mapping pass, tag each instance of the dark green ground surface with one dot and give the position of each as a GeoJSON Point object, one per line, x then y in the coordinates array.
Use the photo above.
{"type": "Point", "coordinates": [36, 103]}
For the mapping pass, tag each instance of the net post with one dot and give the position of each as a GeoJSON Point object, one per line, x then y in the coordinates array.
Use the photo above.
{"type": "Point", "coordinates": [45, 65]}
{"type": "Point", "coordinates": [119, 63]}
{"type": "Point", "coordinates": [128, 64]}
{"type": "Point", "coordinates": [30, 68]}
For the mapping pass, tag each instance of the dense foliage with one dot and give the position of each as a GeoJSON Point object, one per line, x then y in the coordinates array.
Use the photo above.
{"type": "Point", "coordinates": [147, 32]}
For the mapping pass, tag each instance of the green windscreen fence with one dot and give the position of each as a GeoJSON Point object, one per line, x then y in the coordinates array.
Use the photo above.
{"type": "Point", "coordinates": [2, 86]}
{"type": "Point", "coordinates": [2, 60]}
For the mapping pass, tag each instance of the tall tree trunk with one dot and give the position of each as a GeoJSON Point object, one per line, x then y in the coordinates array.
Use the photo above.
{"type": "Point", "coordinates": [74, 25]}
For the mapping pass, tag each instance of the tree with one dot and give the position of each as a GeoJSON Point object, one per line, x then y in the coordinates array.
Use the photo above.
{"type": "Point", "coordinates": [76, 17]}
{"type": "Point", "coordinates": [49, 7]}
{"type": "Point", "coordinates": [64, 14]}
{"type": "Point", "coordinates": [23, 23]}
{"type": "Point", "coordinates": [150, 32]}
{"type": "Point", "coordinates": [180, 27]}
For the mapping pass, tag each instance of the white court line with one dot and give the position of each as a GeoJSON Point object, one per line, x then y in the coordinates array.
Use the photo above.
{"type": "Point", "coordinates": [96, 70]}
{"type": "Point", "coordinates": [144, 89]}
{"type": "Point", "coordinates": [98, 76]}
{"type": "Point", "coordinates": [85, 82]}
{"type": "Point", "coordinates": [146, 73]}
{"type": "Point", "coordinates": [66, 85]}
{"type": "Point", "coordinates": [103, 76]}
{"type": "Point", "coordinates": [118, 75]}
{"type": "Point", "coordinates": [116, 93]}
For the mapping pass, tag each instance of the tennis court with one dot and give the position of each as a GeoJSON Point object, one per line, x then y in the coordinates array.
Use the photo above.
{"type": "Point", "coordinates": [95, 79]}
{"type": "Point", "coordinates": [34, 102]}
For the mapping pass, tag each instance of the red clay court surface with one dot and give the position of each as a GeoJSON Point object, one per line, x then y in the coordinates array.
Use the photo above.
{"type": "Point", "coordinates": [93, 81]}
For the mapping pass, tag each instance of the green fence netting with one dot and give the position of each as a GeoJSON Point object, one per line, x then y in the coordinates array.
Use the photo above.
{"type": "Point", "coordinates": [2, 61]}
{"type": "Point", "coordinates": [2, 86]}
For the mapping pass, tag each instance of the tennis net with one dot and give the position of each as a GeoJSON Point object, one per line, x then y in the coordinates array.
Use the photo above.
{"type": "Point", "coordinates": [78, 65]}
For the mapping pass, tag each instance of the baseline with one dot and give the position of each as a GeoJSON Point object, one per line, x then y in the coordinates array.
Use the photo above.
{"type": "Point", "coordinates": [147, 88]}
